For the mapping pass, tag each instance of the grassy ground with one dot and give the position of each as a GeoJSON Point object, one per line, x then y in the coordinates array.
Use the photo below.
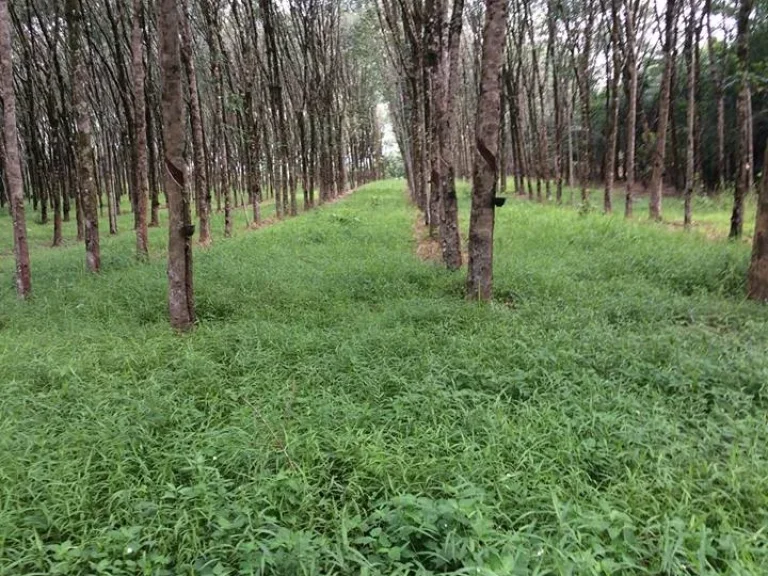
{"type": "Point", "coordinates": [341, 410]}
{"type": "Point", "coordinates": [711, 214]}
{"type": "Point", "coordinates": [40, 236]}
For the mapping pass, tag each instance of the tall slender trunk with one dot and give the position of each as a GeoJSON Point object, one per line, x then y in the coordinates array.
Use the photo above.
{"type": "Point", "coordinates": [744, 119]}
{"type": "Point", "coordinates": [569, 131]}
{"type": "Point", "coordinates": [673, 149]}
{"type": "Point", "coordinates": [481, 225]}
{"type": "Point", "coordinates": [111, 196]}
{"type": "Point", "coordinates": [122, 74]}
{"type": "Point", "coordinates": [151, 123]}
{"type": "Point", "coordinates": [57, 161]}
{"type": "Point", "coordinates": [154, 185]}
{"type": "Point", "coordinates": [631, 50]}
{"type": "Point", "coordinates": [750, 142]}
{"type": "Point", "coordinates": [68, 188]}
{"type": "Point", "coordinates": [84, 146]}
{"type": "Point", "coordinates": [181, 303]}
{"type": "Point", "coordinates": [434, 93]}
{"type": "Point", "coordinates": [312, 155]}
{"type": "Point", "coordinates": [690, 165]}
{"type": "Point", "coordinates": [659, 156]}
{"type": "Point", "coordinates": [417, 144]}
{"type": "Point", "coordinates": [613, 110]}
{"type": "Point", "coordinates": [716, 65]}
{"type": "Point", "coordinates": [202, 193]}
{"type": "Point", "coordinates": [34, 161]}
{"type": "Point", "coordinates": [538, 92]}
{"type": "Point", "coordinates": [12, 163]}
{"type": "Point", "coordinates": [139, 119]}
{"type": "Point", "coordinates": [757, 277]}
{"type": "Point", "coordinates": [502, 144]}
{"type": "Point", "coordinates": [340, 163]}
{"type": "Point", "coordinates": [556, 96]}
{"type": "Point", "coordinates": [582, 61]}
{"type": "Point", "coordinates": [278, 108]}
{"type": "Point", "coordinates": [228, 125]}
{"type": "Point", "coordinates": [450, 240]}
{"type": "Point", "coordinates": [303, 158]}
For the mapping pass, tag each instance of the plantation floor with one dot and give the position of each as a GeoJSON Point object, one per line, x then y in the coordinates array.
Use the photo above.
{"type": "Point", "coordinates": [341, 410]}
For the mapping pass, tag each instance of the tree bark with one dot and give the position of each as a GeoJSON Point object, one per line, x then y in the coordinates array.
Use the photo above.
{"type": "Point", "coordinates": [202, 193]}
{"type": "Point", "coordinates": [613, 110]}
{"type": "Point", "coordinates": [450, 240]}
{"type": "Point", "coordinates": [537, 93]}
{"type": "Point", "coordinates": [757, 277]}
{"type": "Point", "coordinates": [150, 99]}
{"type": "Point", "coordinates": [434, 95]}
{"type": "Point", "coordinates": [717, 67]}
{"type": "Point", "coordinates": [139, 118]}
{"type": "Point", "coordinates": [84, 145]}
{"type": "Point", "coordinates": [181, 303]}
{"type": "Point", "coordinates": [690, 165]}
{"type": "Point", "coordinates": [581, 58]}
{"type": "Point", "coordinates": [485, 170]}
{"type": "Point", "coordinates": [744, 118]}
{"type": "Point", "coordinates": [556, 97]}
{"type": "Point", "coordinates": [12, 163]}
{"type": "Point", "coordinates": [631, 48]}
{"type": "Point", "coordinates": [278, 109]}
{"type": "Point", "coordinates": [657, 176]}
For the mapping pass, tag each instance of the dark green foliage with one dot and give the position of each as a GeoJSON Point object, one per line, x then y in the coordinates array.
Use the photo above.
{"type": "Point", "coordinates": [341, 410]}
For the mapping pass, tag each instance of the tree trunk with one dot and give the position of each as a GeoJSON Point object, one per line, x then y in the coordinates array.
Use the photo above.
{"type": "Point", "coordinates": [139, 119]}
{"type": "Point", "coordinates": [111, 217]}
{"type": "Point", "coordinates": [613, 110]}
{"type": "Point", "coordinates": [581, 57]}
{"type": "Point", "coordinates": [480, 272]}
{"type": "Point", "coordinates": [181, 303]}
{"type": "Point", "coordinates": [84, 146]}
{"type": "Point", "coordinates": [673, 148]}
{"type": "Point", "coordinates": [657, 176]}
{"type": "Point", "coordinates": [757, 277]}
{"type": "Point", "coordinates": [537, 93]}
{"type": "Point", "coordinates": [450, 240]}
{"type": "Point", "coordinates": [57, 160]}
{"type": "Point", "coordinates": [278, 109]}
{"type": "Point", "coordinates": [12, 164]}
{"type": "Point", "coordinates": [202, 194]}
{"type": "Point", "coordinates": [154, 185]}
{"type": "Point", "coordinates": [552, 55]}
{"type": "Point", "coordinates": [744, 119]}
{"type": "Point", "coordinates": [631, 50]}
{"type": "Point", "coordinates": [750, 141]}
{"type": "Point", "coordinates": [690, 165]}
{"type": "Point", "coordinates": [717, 67]}
{"type": "Point", "coordinates": [417, 145]}
{"type": "Point", "coordinates": [434, 94]}
{"type": "Point", "coordinates": [152, 152]}
{"type": "Point", "coordinates": [569, 132]}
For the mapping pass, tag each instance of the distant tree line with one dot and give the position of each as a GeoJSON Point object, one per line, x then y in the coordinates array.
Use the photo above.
{"type": "Point", "coordinates": [200, 105]}
{"type": "Point", "coordinates": [644, 97]}
{"type": "Point", "coordinates": [217, 104]}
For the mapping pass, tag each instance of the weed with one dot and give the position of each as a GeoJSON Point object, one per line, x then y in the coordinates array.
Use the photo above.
{"type": "Point", "coordinates": [341, 409]}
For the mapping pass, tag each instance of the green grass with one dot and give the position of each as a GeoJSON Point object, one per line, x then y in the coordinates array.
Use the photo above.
{"type": "Point", "coordinates": [40, 236]}
{"type": "Point", "coordinates": [711, 214]}
{"type": "Point", "coordinates": [342, 410]}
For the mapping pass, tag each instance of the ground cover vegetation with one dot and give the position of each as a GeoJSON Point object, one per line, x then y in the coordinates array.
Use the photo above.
{"type": "Point", "coordinates": [271, 360]}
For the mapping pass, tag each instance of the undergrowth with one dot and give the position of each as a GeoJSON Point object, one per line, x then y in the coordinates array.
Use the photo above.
{"type": "Point", "coordinates": [711, 213]}
{"type": "Point", "coordinates": [341, 410]}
